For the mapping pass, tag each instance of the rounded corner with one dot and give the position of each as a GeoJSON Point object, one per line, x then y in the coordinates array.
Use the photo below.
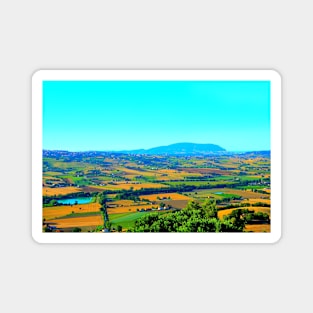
{"type": "Point", "coordinates": [36, 74]}
{"type": "Point", "coordinates": [275, 74]}
{"type": "Point", "coordinates": [276, 238]}
{"type": "Point", "coordinates": [36, 238]}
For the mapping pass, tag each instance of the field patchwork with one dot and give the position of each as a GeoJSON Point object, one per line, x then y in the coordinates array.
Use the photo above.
{"type": "Point", "coordinates": [63, 210]}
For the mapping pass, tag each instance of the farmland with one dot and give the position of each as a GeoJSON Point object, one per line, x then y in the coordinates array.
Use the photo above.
{"type": "Point", "coordinates": [64, 210]}
{"type": "Point", "coordinates": [125, 187]}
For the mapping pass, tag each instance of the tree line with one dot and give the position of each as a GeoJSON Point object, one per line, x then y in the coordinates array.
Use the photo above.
{"type": "Point", "coordinates": [198, 218]}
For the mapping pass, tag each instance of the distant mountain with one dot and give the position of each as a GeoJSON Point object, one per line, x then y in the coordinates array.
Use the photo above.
{"type": "Point", "coordinates": [180, 149]}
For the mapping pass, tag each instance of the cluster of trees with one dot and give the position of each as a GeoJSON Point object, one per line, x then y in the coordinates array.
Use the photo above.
{"type": "Point", "coordinates": [245, 204]}
{"type": "Point", "coordinates": [228, 199]}
{"type": "Point", "coordinates": [48, 202]}
{"type": "Point", "coordinates": [102, 198]}
{"type": "Point", "coordinates": [127, 195]}
{"type": "Point", "coordinates": [198, 218]}
{"type": "Point", "coordinates": [194, 218]}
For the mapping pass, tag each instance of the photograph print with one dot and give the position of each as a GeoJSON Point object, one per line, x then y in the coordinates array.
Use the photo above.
{"type": "Point", "coordinates": [125, 154]}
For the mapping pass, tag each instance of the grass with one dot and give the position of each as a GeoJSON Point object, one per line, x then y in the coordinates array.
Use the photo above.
{"type": "Point", "coordinates": [258, 187]}
{"type": "Point", "coordinates": [126, 220]}
{"type": "Point", "coordinates": [243, 193]}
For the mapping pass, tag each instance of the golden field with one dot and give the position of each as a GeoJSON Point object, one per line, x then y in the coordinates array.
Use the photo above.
{"type": "Point", "coordinates": [252, 201]}
{"type": "Point", "coordinates": [258, 228]}
{"type": "Point", "coordinates": [63, 210]}
{"type": "Point", "coordinates": [173, 196]}
{"type": "Point", "coordinates": [130, 208]}
{"type": "Point", "coordinates": [84, 221]}
{"type": "Point", "coordinates": [222, 213]}
{"type": "Point", "coordinates": [135, 186]}
{"type": "Point", "coordinates": [47, 191]}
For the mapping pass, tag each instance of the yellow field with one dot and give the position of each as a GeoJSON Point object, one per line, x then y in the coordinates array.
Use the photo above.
{"type": "Point", "coordinates": [222, 213]}
{"type": "Point", "coordinates": [173, 196]}
{"type": "Point", "coordinates": [47, 191]}
{"type": "Point", "coordinates": [96, 220]}
{"type": "Point", "coordinates": [131, 208]}
{"type": "Point", "coordinates": [130, 171]}
{"type": "Point", "coordinates": [58, 211]}
{"type": "Point", "coordinates": [173, 174]}
{"type": "Point", "coordinates": [123, 202]}
{"type": "Point", "coordinates": [135, 186]}
{"type": "Point", "coordinates": [259, 228]}
{"type": "Point", "coordinates": [267, 201]}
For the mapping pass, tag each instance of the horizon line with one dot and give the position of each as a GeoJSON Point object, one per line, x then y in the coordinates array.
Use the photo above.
{"type": "Point", "coordinates": [126, 151]}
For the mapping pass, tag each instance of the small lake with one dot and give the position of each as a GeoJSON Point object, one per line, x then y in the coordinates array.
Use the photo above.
{"type": "Point", "coordinates": [218, 193]}
{"type": "Point", "coordinates": [75, 200]}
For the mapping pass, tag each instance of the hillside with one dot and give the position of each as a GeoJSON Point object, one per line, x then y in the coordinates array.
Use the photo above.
{"type": "Point", "coordinates": [180, 149]}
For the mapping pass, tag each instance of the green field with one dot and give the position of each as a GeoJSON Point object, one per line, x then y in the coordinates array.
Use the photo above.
{"type": "Point", "coordinates": [126, 220]}
{"type": "Point", "coordinates": [227, 179]}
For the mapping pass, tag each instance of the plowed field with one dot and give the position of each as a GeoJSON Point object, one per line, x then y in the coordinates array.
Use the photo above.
{"type": "Point", "coordinates": [47, 191]}
{"type": "Point", "coordinates": [59, 211]}
{"type": "Point", "coordinates": [95, 220]}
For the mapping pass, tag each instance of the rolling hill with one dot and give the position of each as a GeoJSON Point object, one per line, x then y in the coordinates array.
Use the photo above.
{"type": "Point", "coordinates": [180, 149]}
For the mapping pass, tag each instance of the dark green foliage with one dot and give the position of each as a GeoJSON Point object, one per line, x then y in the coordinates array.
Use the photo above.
{"type": "Point", "coordinates": [210, 207]}
{"type": "Point", "coordinates": [76, 230]}
{"type": "Point", "coordinates": [102, 198]}
{"type": "Point", "coordinates": [239, 218]}
{"type": "Point", "coordinates": [127, 195]}
{"type": "Point", "coordinates": [261, 204]}
{"type": "Point", "coordinates": [194, 218]}
{"type": "Point", "coordinates": [234, 222]}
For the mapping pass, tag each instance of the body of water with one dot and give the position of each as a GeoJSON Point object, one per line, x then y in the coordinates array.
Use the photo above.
{"type": "Point", "coordinates": [75, 201]}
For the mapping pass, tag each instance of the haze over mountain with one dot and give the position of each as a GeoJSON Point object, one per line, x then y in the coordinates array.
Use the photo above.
{"type": "Point", "coordinates": [184, 148]}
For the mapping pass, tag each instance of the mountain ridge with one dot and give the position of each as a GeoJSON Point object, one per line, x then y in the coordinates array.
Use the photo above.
{"type": "Point", "coordinates": [182, 148]}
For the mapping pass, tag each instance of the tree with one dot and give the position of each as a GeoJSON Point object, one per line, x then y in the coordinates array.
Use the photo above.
{"type": "Point", "coordinates": [210, 207]}
{"type": "Point", "coordinates": [235, 221]}
{"type": "Point", "coordinates": [193, 205]}
{"type": "Point", "coordinates": [102, 198]}
{"type": "Point", "coordinates": [76, 230]}
{"type": "Point", "coordinates": [119, 228]}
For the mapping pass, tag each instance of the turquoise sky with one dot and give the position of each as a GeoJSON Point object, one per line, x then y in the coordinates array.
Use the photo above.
{"type": "Point", "coordinates": [118, 115]}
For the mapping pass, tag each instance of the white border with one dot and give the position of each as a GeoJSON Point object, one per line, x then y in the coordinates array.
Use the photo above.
{"type": "Point", "coordinates": [235, 75]}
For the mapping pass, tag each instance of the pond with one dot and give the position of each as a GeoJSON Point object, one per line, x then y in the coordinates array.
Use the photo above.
{"type": "Point", "coordinates": [219, 193]}
{"type": "Point", "coordinates": [75, 201]}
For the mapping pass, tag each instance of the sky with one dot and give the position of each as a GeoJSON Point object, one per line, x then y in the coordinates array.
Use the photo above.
{"type": "Point", "coordinates": [125, 115]}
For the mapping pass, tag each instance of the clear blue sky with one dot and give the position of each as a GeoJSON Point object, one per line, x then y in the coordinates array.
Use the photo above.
{"type": "Point", "coordinates": [118, 115]}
